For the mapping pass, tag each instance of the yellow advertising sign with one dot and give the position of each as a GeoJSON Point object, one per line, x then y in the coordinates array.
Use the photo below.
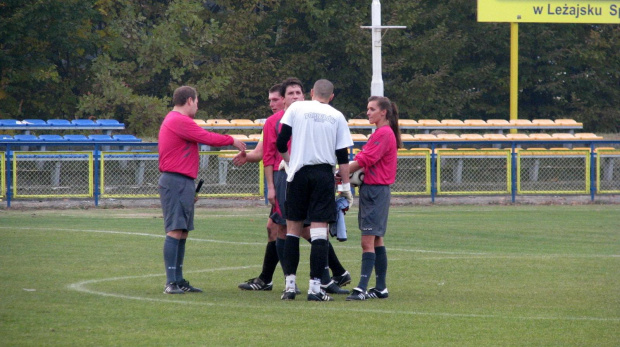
{"type": "Point", "coordinates": [515, 11]}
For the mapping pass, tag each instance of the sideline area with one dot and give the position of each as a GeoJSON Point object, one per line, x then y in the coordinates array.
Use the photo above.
{"type": "Point", "coordinates": [257, 202]}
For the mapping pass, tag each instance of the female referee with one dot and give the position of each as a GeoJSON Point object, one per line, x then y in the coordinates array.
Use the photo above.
{"type": "Point", "coordinates": [378, 160]}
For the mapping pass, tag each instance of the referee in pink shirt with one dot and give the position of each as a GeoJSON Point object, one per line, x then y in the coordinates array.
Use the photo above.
{"type": "Point", "coordinates": [378, 159]}
{"type": "Point", "coordinates": [179, 137]}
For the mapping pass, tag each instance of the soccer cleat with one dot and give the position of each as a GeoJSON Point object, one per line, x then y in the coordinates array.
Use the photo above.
{"type": "Point", "coordinates": [333, 288]}
{"type": "Point", "coordinates": [256, 284]}
{"type": "Point", "coordinates": [297, 291]}
{"type": "Point", "coordinates": [343, 279]}
{"type": "Point", "coordinates": [288, 295]}
{"type": "Point", "coordinates": [320, 296]}
{"type": "Point", "coordinates": [188, 288]}
{"type": "Point", "coordinates": [357, 295]}
{"type": "Point", "coordinates": [375, 293]}
{"type": "Point", "coordinates": [173, 288]}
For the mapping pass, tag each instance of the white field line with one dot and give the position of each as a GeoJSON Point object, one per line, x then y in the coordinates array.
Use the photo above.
{"type": "Point", "coordinates": [466, 254]}
{"type": "Point", "coordinates": [82, 287]}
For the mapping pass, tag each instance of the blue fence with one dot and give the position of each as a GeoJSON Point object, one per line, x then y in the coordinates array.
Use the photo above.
{"type": "Point", "coordinates": [591, 149]}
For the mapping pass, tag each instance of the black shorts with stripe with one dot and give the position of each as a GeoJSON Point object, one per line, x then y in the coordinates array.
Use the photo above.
{"type": "Point", "coordinates": [310, 196]}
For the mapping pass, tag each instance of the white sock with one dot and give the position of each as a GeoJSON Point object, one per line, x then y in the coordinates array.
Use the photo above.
{"type": "Point", "coordinates": [315, 286]}
{"type": "Point", "coordinates": [290, 282]}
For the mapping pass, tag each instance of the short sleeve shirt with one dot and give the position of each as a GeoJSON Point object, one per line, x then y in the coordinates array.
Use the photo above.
{"type": "Point", "coordinates": [318, 131]}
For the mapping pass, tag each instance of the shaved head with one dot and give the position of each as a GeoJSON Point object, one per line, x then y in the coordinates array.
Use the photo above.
{"type": "Point", "coordinates": [323, 89]}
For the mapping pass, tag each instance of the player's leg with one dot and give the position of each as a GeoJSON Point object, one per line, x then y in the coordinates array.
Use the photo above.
{"type": "Point", "coordinates": [171, 249]}
{"type": "Point", "coordinates": [381, 264]}
{"type": "Point", "coordinates": [270, 262]}
{"type": "Point", "coordinates": [290, 262]}
{"type": "Point", "coordinates": [177, 200]}
{"type": "Point", "coordinates": [372, 219]}
{"type": "Point", "coordinates": [321, 211]}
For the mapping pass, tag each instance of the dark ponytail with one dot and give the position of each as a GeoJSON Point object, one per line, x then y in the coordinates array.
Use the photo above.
{"type": "Point", "coordinates": [391, 115]}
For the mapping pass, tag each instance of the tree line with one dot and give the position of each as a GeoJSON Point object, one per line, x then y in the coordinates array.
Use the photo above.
{"type": "Point", "coordinates": [122, 59]}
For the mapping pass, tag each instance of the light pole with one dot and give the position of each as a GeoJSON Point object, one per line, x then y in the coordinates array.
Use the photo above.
{"type": "Point", "coordinates": [376, 85]}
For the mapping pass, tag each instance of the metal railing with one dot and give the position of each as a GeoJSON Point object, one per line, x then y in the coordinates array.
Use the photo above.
{"type": "Point", "coordinates": [434, 168]}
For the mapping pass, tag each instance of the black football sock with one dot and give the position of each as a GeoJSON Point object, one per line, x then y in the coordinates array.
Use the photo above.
{"type": "Point", "coordinates": [270, 261]}
{"type": "Point", "coordinates": [291, 255]}
{"type": "Point", "coordinates": [318, 258]}
{"type": "Point", "coordinates": [280, 249]}
{"type": "Point", "coordinates": [334, 262]}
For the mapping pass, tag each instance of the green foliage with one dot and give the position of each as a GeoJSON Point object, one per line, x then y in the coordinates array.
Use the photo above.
{"type": "Point", "coordinates": [45, 52]}
{"type": "Point", "coordinates": [122, 59]}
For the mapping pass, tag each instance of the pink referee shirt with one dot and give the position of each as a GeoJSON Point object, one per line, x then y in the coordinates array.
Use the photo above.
{"type": "Point", "coordinates": [179, 137]}
{"type": "Point", "coordinates": [271, 156]}
{"type": "Point", "coordinates": [379, 157]}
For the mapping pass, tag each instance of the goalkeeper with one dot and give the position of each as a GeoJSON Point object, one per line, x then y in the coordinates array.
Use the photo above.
{"type": "Point", "coordinates": [320, 140]}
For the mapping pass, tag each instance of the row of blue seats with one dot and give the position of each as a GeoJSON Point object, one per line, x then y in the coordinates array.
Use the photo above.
{"type": "Point", "coordinates": [73, 138]}
{"type": "Point", "coordinates": [61, 123]}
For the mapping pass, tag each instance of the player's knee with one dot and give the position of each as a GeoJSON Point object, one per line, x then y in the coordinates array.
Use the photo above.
{"type": "Point", "coordinates": [318, 234]}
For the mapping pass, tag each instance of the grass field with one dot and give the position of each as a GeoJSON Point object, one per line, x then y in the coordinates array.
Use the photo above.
{"type": "Point", "coordinates": [458, 276]}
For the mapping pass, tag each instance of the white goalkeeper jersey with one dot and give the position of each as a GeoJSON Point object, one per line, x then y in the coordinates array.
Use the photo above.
{"type": "Point", "coordinates": [318, 130]}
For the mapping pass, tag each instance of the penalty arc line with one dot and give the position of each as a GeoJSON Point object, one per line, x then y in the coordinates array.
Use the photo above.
{"type": "Point", "coordinates": [81, 287]}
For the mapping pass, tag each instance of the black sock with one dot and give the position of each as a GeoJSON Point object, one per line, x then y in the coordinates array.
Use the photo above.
{"type": "Point", "coordinates": [280, 249]}
{"type": "Point", "coordinates": [270, 261]}
{"type": "Point", "coordinates": [291, 255]}
{"type": "Point", "coordinates": [318, 258]}
{"type": "Point", "coordinates": [326, 278]}
{"type": "Point", "coordinates": [334, 262]}
{"type": "Point", "coordinates": [180, 257]}
{"type": "Point", "coordinates": [171, 247]}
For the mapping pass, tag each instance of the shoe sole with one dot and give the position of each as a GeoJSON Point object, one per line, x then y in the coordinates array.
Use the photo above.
{"type": "Point", "coordinates": [316, 298]}
{"type": "Point", "coordinates": [344, 292]}
{"type": "Point", "coordinates": [347, 281]}
{"type": "Point", "coordinates": [288, 297]}
{"type": "Point", "coordinates": [257, 290]}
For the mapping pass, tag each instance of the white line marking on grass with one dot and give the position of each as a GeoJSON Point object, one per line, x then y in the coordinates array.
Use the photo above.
{"type": "Point", "coordinates": [81, 287]}
{"type": "Point", "coordinates": [475, 254]}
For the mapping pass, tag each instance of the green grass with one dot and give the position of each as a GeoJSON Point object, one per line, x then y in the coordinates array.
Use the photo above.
{"type": "Point", "coordinates": [458, 276]}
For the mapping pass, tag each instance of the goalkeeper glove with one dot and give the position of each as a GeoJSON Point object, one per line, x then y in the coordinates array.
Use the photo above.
{"type": "Point", "coordinates": [345, 191]}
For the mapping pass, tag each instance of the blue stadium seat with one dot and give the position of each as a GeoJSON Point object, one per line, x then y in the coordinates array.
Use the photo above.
{"type": "Point", "coordinates": [27, 138]}
{"type": "Point", "coordinates": [76, 138]}
{"type": "Point", "coordinates": [11, 122]}
{"type": "Point", "coordinates": [59, 123]}
{"type": "Point", "coordinates": [109, 122]}
{"type": "Point", "coordinates": [126, 138]}
{"type": "Point", "coordinates": [84, 123]}
{"type": "Point", "coordinates": [52, 137]}
{"type": "Point", "coordinates": [35, 122]}
{"type": "Point", "coordinates": [7, 138]}
{"type": "Point", "coordinates": [101, 138]}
